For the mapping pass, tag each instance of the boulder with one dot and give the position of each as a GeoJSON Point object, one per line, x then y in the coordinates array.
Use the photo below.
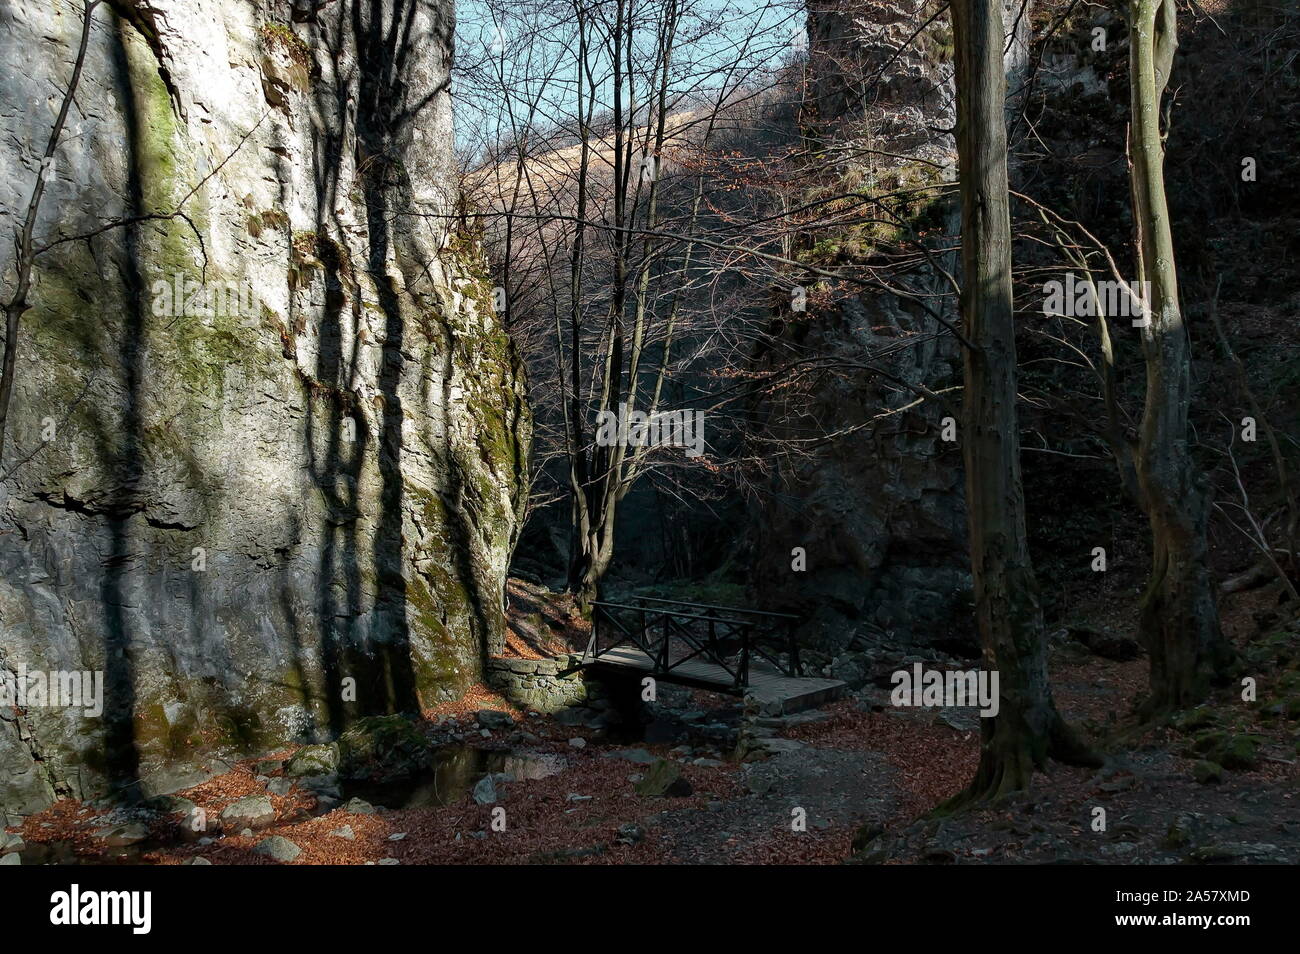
{"type": "Point", "coordinates": [279, 848]}
{"type": "Point", "coordinates": [313, 760]}
{"type": "Point", "coordinates": [123, 836]}
{"type": "Point", "coordinates": [663, 778]}
{"type": "Point", "coordinates": [251, 811]}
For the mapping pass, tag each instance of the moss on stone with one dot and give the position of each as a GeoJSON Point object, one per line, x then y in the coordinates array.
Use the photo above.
{"type": "Point", "coordinates": [280, 36]}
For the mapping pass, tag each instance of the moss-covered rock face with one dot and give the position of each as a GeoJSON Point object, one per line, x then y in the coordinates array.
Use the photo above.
{"type": "Point", "coordinates": [275, 445]}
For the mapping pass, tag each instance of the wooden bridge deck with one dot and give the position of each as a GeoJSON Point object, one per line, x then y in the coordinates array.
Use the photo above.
{"type": "Point", "coordinates": [775, 692]}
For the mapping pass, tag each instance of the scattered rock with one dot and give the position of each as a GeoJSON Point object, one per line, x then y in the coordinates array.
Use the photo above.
{"type": "Point", "coordinates": [485, 791]}
{"type": "Point", "coordinates": [578, 742]}
{"type": "Point", "coordinates": [196, 860]}
{"type": "Point", "coordinates": [345, 832]}
{"type": "Point", "coordinates": [321, 784]}
{"type": "Point", "coordinates": [1233, 851]}
{"type": "Point", "coordinates": [389, 861]}
{"type": "Point", "coordinates": [1106, 644]}
{"type": "Point", "coordinates": [358, 806]}
{"type": "Point", "coordinates": [11, 859]}
{"type": "Point", "coordinates": [251, 811]}
{"type": "Point", "coordinates": [639, 756]}
{"type": "Point", "coordinates": [494, 719]}
{"type": "Point", "coordinates": [326, 804]}
{"type": "Point", "coordinates": [1207, 772]}
{"type": "Point", "coordinates": [664, 778]}
{"type": "Point", "coordinates": [172, 805]}
{"type": "Point", "coordinates": [279, 786]}
{"type": "Point", "coordinates": [313, 760]}
{"type": "Point", "coordinates": [123, 836]}
{"type": "Point", "coordinates": [866, 835]}
{"type": "Point", "coordinates": [277, 847]}
{"type": "Point", "coordinates": [1193, 720]}
{"type": "Point", "coordinates": [629, 834]}
{"type": "Point", "coordinates": [963, 719]}
{"type": "Point", "coordinates": [1232, 751]}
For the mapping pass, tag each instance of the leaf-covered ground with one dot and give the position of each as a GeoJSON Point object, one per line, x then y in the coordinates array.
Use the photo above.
{"type": "Point", "coordinates": [795, 790]}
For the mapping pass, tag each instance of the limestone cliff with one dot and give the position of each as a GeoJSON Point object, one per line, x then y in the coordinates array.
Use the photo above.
{"type": "Point", "coordinates": [269, 443]}
{"type": "Point", "coordinates": [879, 510]}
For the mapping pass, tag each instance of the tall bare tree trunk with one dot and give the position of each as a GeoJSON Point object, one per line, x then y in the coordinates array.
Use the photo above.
{"type": "Point", "coordinates": [1027, 729]}
{"type": "Point", "coordinates": [18, 305]}
{"type": "Point", "coordinates": [1179, 622]}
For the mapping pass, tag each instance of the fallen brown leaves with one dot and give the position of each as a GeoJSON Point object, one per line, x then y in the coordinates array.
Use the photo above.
{"type": "Point", "coordinates": [934, 761]}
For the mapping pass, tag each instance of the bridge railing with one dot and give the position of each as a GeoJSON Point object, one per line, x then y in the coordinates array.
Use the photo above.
{"type": "Point", "coordinates": [674, 632]}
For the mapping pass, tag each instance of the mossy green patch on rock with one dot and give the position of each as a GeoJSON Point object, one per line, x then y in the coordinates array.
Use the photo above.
{"type": "Point", "coordinates": [1230, 750]}
{"type": "Point", "coordinates": [1207, 772]}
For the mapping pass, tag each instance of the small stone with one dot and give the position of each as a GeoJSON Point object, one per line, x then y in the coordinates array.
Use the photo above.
{"type": "Point", "coordinates": [11, 842]}
{"type": "Point", "coordinates": [1207, 772]}
{"type": "Point", "coordinates": [494, 719]}
{"type": "Point", "coordinates": [251, 811]}
{"type": "Point", "coordinates": [485, 792]}
{"type": "Point", "coordinates": [578, 742]}
{"type": "Point", "coordinates": [345, 832]}
{"type": "Point", "coordinates": [639, 756]}
{"type": "Point", "coordinates": [321, 784]}
{"type": "Point", "coordinates": [397, 836]}
{"type": "Point", "coordinates": [313, 760]}
{"type": "Point", "coordinates": [664, 778]}
{"type": "Point", "coordinates": [630, 834]}
{"type": "Point", "coordinates": [123, 836]}
{"type": "Point", "coordinates": [389, 861]}
{"type": "Point", "coordinates": [173, 805]}
{"type": "Point", "coordinates": [358, 806]}
{"type": "Point", "coordinates": [197, 860]}
{"type": "Point", "coordinates": [277, 847]}
{"type": "Point", "coordinates": [279, 786]}
{"type": "Point", "coordinates": [11, 859]}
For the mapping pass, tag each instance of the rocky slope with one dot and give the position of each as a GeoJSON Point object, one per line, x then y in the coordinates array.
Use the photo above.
{"type": "Point", "coordinates": [265, 463]}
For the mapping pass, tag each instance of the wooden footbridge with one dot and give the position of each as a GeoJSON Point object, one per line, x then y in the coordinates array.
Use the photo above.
{"type": "Point", "coordinates": [744, 652]}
